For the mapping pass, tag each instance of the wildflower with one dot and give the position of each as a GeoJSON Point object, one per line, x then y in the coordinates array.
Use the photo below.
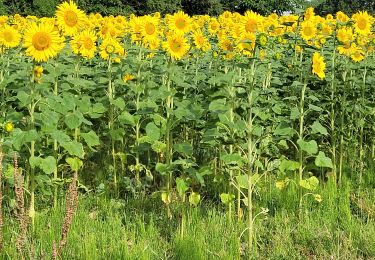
{"type": "Point", "coordinates": [318, 65]}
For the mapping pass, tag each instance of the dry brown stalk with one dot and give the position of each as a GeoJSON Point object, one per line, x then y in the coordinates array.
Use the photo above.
{"type": "Point", "coordinates": [1, 198]}
{"type": "Point", "coordinates": [20, 212]}
{"type": "Point", "coordinates": [70, 208]}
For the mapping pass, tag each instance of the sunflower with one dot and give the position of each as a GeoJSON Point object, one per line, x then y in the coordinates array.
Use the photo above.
{"type": "Point", "coordinates": [128, 77]}
{"type": "Point", "coordinates": [308, 30]}
{"type": "Point", "coordinates": [69, 18]}
{"type": "Point", "coordinates": [356, 53]}
{"type": "Point", "coordinates": [42, 41]}
{"type": "Point", "coordinates": [318, 65]}
{"type": "Point", "coordinates": [252, 22]}
{"type": "Point", "coordinates": [110, 48]}
{"type": "Point", "coordinates": [246, 44]}
{"type": "Point", "coordinates": [149, 27]}
{"type": "Point", "coordinates": [213, 26]}
{"type": "Point", "coordinates": [227, 46]}
{"type": "Point", "coordinates": [9, 37]}
{"type": "Point", "coordinates": [84, 44]}
{"type": "Point", "coordinates": [345, 34]}
{"type": "Point", "coordinates": [152, 44]}
{"type": "Point", "coordinates": [179, 22]}
{"type": "Point", "coordinates": [176, 45]}
{"type": "Point", "coordinates": [200, 41]}
{"type": "Point", "coordinates": [342, 17]}
{"type": "Point", "coordinates": [309, 14]}
{"type": "Point", "coordinates": [135, 24]}
{"type": "Point", "coordinates": [362, 23]}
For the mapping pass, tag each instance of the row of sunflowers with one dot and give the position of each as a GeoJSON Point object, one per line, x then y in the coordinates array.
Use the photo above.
{"type": "Point", "coordinates": [230, 34]}
{"type": "Point", "coordinates": [187, 107]}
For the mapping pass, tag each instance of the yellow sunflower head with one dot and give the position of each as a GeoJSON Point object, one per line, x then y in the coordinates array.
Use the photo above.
{"type": "Point", "coordinates": [69, 18]}
{"type": "Point", "coordinates": [345, 34]}
{"type": "Point", "coordinates": [252, 22]}
{"type": "Point", "coordinates": [308, 30]}
{"type": "Point", "coordinates": [200, 41]}
{"type": "Point", "coordinates": [213, 26]}
{"type": "Point", "coordinates": [179, 22]}
{"type": "Point", "coordinates": [362, 23]}
{"type": "Point", "coordinates": [356, 53]}
{"type": "Point", "coordinates": [342, 17]}
{"type": "Point", "coordinates": [111, 48]}
{"type": "Point", "coordinates": [84, 44]}
{"type": "Point", "coordinates": [309, 13]}
{"type": "Point", "coordinates": [176, 45]}
{"type": "Point", "coordinates": [318, 65]}
{"type": "Point", "coordinates": [9, 37]}
{"type": "Point", "coordinates": [149, 27]}
{"type": "Point", "coordinates": [42, 42]}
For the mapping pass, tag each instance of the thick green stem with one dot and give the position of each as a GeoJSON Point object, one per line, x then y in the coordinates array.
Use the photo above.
{"type": "Point", "coordinates": [32, 154]}
{"type": "Point", "coordinates": [361, 135]}
{"type": "Point", "coordinates": [250, 158]}
{"type": "Point", "coordinates": [333, 133]}
{"type": "Point", "coordinates": [111, 97]}
{"type": "Point", "coordinates": [301, 129]}
{"type": "Point", "coordinates": [55, 149]}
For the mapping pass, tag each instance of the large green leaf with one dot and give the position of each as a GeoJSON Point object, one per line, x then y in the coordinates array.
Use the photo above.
{"type": "Point", "coordinates": [194, 198]}
{"type": "Point", "coordinates": [218, 106]}
{"type": "Point", "coordinates": [311, 147]}
{"type": "Point", "coordinates": [47, 165]}
{"type": "Point", "coordinates": [74, 163]}
{"type": "Point", "coordinates": [310, 183]}
{"type": "Point", "coordinates": [288, 165]}
{"type": "Point", "coordinates": [226, 198]}
{"type": "Point", "coordinates": [126, 118]}
{"type": "Point", "coordinates": [74, 148]}
{"type": "Point", "coordinates": [73, 120]}
{"type": "Point", "coordinates": [317, 127]}
{"type": "Point", "coordinates": [91, 138]}
{"type": "Point", "coordinates": [323, 161]}
{"type": "Point", "coordinates": [234, 159]}
{"type": "Point", "coordinates": [153, 131]}
{"type": "Point", "coordinates": [181, 186]}
{"type": "Point", "coordinates": [184, 148]}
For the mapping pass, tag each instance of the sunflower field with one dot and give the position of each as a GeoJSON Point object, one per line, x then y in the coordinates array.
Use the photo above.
{"type": "Point", "coordinates": [257, 115]}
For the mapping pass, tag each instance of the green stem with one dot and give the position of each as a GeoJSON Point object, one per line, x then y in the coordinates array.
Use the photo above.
{"type": "Point", "coordinates": [55, 149]}
{"type": "Point", "coordinates": [301, 129]}
{"type": "Point", "coordinates": [361, 135]}
{"type": "Point", "coordinates": [333, 133]}
{"type": "Point", "coordinates": [250, 161]}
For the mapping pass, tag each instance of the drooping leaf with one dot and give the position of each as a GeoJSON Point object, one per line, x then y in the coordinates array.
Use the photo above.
{"type": "Point", "coordinates": [310, 183]}
{"type": "Point", "coordinates": [74, 148]}
{"type": "Point", "coordinates": [311, 147]}
{"type": "Point", "coordinates": [288, 165]}
{"type": "Point", "coordinates": [194, 198]}
{"type": "Point", "coordinates": [226, 198]}
{"type": "Point", "coordinates": [317, 127]}
{"type": "Point", "coordinates": [184, 148]}
{"type": "Point", "coordinates": [74, 163]}
{"type": "Point", "coordinates": [181, 186]}
{"type": "Point", "coordinates": [323, 161]}
{"type": "Point", "coordinates": [153, 131]}
{"type": "Point", "coordinates": [48, 165]}
{"type": "Point", "coordinates": [233, 159]}
{"type": "Point", "coordinates": [91, 138]}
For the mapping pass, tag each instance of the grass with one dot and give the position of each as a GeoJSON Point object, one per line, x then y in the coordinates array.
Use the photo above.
{"type": "Point", "coordinates": [340, 227]}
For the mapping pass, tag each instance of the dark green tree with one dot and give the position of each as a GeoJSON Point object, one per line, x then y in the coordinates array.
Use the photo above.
{"type": "Point", "coordinates": [347, 6]}
{"type": "Point", "coordinates": [211, 7]}
{"type": "Point", "coordinates": [263, 7]}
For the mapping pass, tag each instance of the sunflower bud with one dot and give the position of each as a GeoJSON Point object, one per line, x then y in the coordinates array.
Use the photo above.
{"type": "Point", "coordinates": [8, 127]}
{"type": "Point", "coordinates": [262, 40]}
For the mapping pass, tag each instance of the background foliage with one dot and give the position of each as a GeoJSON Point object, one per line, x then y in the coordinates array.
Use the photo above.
{"type": "Point", "coordinates": [211, 7]}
